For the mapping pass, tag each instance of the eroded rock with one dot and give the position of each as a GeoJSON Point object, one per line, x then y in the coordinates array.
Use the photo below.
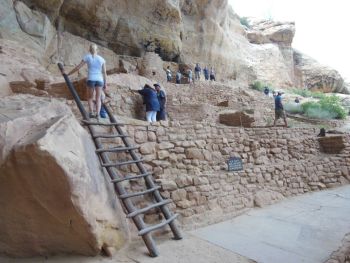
{"type": "Point", "coordinates": [53, 193]}
{"type": "Point", "coordinates": [317, 77]}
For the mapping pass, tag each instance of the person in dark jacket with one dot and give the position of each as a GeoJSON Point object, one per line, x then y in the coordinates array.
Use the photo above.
{"type": "Point", "coordinates": [151, 100]}
{"type": "Point", "coordinates": [279, 110]}
{"type": "Point", "coordinates": [197, 72]}
{"type": "Point", "coordinates": [206, 73]}
{"type": "Point", "coordinates": [161, 114]}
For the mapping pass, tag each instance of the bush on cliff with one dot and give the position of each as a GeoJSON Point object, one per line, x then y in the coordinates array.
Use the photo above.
{"type": "Point", "coordinates": [257, 85]}
{"type": "Point", "coordinates": [308, 93]}
{"type": "Point", "coordinates": [328, 107]}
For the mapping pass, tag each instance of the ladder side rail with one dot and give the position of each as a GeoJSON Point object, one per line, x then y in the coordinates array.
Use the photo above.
{"type": "Point", "coordinates": [73, 92]}
{"type": "Point", "coordinates": [147, 238]}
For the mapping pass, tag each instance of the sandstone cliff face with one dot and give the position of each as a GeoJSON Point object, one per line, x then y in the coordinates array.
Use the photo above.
{"type": "Point", "coordinates": [54, 197]}
{"type": "Point", "coordinates": [127, 27]}
{"type": "Point", "coordinates": [186, 31]}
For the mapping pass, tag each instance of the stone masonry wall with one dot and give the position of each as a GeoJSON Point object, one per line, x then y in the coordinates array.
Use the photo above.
{"type": "Point", "coordinates": [189, 161]}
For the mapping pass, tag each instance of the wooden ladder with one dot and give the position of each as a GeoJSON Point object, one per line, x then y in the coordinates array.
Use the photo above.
{"type": "Point", "coordinates": [117, 179]}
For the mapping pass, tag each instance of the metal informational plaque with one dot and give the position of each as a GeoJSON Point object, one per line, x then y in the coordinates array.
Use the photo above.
{"type": "Point", "coordinates": [235, 164]}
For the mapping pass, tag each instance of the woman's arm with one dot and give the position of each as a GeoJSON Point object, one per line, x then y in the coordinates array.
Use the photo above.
{"type": "Point", "coordinates": [82, 63]}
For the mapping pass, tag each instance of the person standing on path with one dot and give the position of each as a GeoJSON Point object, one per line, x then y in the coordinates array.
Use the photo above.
{"type": "Point", "coordinates": [161, 114]}
{"type": "Point", "coordinates": [279, 110]}
{"type": "Point", "coordinates": [96, 80]}
{"type": "Point", "coordinates": [197, 72]}
{"type": "Point", "coordinates": [178, 77]}
{"type": "Point", "coordinates": [206, 73]}
{"type": "Point", "coordinates": [168, 74]}
{"type": "Point", "coordinates": [150, 98]}
{"type": "Point", "coordinates": [212, 74]}
{"type": "Point", "coordinates": [190, 76]}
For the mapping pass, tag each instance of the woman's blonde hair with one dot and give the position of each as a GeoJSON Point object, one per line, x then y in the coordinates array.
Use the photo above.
{"type": "Point", "coordinates": [93, 48]}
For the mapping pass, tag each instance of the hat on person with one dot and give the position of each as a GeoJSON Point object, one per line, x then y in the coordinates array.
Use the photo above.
{"type": "Point", "coordinates": [156, 85]}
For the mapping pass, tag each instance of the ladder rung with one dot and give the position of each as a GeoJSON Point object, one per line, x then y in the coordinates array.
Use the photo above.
{"type": "Point", "coordinates": [101, 135]}
{"type": "Point", "coordinates": [145, 209]}
{"type": "Point", "coordinates": [160, 225]}
{"type": "Point", "coordinates": [121, 163]}
{"type": "Point", "coordinates": [130, 177]}
{"type": "Point", "coordinates": [86, 122]}
{"type": "Point", "coordinates": [140, 193]}
{"type": "Point", "coordinates": [117, 149]}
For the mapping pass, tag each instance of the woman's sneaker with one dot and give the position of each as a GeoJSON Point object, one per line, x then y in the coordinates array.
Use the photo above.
{"type": "Point", "coordinates": [92, 115]}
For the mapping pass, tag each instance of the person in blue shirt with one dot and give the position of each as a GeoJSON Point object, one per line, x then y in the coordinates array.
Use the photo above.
{"type": "Point", "coordinates": [197, 72]}
{"type": "Point", "coordinates": [161, 114]}
{"type": "Point", "coordinates": [96, 79]}
{"type": "Point", "coordinates": [206, 73]}
{"type": "Point", "coordinates": [279, 110]}
{"type": "Point", "coordinates": [150, 98]}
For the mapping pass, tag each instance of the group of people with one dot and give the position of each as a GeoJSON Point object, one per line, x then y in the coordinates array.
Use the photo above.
{"type": "Point", "coordinates": [208, 74]}
{"type": "Point", "coordinates": [155, 101]}
{"type": "Point", "coordinates": [154, 98]}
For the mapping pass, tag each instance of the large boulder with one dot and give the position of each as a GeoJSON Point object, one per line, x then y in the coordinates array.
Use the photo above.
{"type": "Point", "coordinates": [54, 197]}
{"type": "Point", "coordinates": [268, 31]}
{"type": "Point", "coordinates": [317, 77]}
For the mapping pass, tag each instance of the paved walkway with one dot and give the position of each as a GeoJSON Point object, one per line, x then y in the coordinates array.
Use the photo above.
{"type": "Point", "coordinates": [189, 250]}
{"type": "Point", "coordinates": [306, 228]}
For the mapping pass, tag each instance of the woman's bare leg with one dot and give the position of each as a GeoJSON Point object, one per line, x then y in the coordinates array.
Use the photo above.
{"type": "Point", "coordinates": [91, 99]}
{"type": "Point", "coordinates": [98, 100]}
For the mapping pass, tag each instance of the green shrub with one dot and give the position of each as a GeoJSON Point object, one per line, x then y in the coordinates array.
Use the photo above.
{"type": "Point", "coordinates": [258, 85]}
{"type": "Point", "coordinates": [318, 95]}
{"type": "Point", "coordinates": [308, 94]}
{"type": "Point", "coordinates": [333, 104]}
{"type": "Point", "coordinates": [327, 107]}
{"type": "Point", "coordinates": [244, 21]}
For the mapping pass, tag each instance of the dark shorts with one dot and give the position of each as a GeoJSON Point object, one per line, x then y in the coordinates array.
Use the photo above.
{"type": "Point", "coordinates": [279, 114]}
{"type": "Point", "coordinates": [93, 84]}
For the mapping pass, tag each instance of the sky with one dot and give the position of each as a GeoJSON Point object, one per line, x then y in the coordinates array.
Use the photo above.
{"type": "Point", "coordinates": [322, 26]}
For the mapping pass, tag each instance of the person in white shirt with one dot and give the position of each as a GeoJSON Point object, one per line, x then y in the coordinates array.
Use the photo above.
{"type": "Point", "coordinates": [168, 74]}
{"type": "Point", "coordinates": [96, 79]}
